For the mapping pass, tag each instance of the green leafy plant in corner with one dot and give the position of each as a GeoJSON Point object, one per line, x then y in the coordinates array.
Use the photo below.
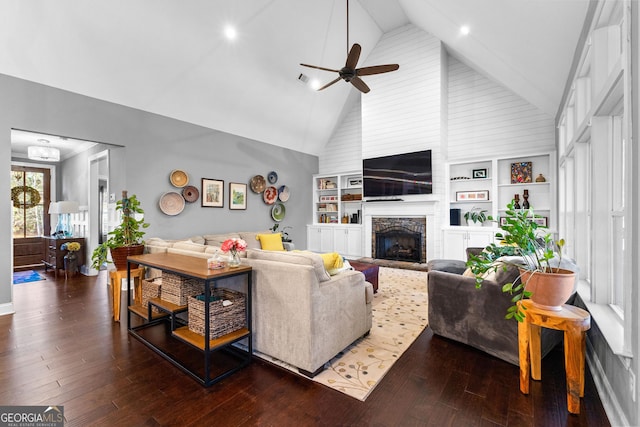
{"type": "Point", "coordinates": [525, 247]}
{"type": "Point", "coordinates": [129, 233]}
{"type": "Point", "coordinates": [476, 215]}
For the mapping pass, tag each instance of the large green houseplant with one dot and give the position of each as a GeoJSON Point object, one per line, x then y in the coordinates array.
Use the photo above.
{"type": "Point", "coordinates": [126, 238]}
{"type": "Point", "coordinates": [535, 253]}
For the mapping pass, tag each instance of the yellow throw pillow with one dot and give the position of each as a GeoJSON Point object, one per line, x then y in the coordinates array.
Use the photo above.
{"type": "Point", "coordinates": [332, 260]}
{"type": "Point", "coordinates": [270, 242]}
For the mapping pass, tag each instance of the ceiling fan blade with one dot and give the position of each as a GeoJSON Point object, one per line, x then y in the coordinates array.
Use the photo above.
{"type": "Point", "coordinates": [354, 55]}
{"type": "Point", "coordinates": [319, 68]}
{"type": "Point", "coordinates": [330, 83]}
{"type": "Point", "coordinates": [376, 69]}
{"type": "Point", "coordinates": [360, 85]}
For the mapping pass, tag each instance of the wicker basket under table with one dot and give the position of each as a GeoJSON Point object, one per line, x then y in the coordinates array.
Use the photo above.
{"type": "Point", "coordinates": [151, 289]}
{"type": "Point", "coordinates": [177, 289]}
{"type": "Point", "coordinates": [222, 320]}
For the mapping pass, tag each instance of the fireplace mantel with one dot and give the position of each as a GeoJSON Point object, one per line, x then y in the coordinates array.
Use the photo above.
{"type": "Point", "coordinates": [395, 209]}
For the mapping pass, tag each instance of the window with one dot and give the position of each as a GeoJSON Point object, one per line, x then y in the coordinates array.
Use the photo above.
{"type": "Point", "coordinates": [30, 201]}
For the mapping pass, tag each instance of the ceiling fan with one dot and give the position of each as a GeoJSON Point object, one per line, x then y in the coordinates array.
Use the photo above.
{"type": "Point", "coordinates": [349, 73]}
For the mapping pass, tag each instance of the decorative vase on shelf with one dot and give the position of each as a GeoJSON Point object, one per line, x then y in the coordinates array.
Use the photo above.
{"type": "Point", "coordinates": [516, 201]}
{"type": "Point", "coordinates": [525, 203]}
{"type": "Point", "coordinates": [234, 260]}
{"type": "Point", "coordinates": [541, 178]}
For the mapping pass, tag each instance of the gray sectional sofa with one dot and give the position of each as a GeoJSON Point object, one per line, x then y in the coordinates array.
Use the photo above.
{"type": "Point", "coordinates": [301, 314]}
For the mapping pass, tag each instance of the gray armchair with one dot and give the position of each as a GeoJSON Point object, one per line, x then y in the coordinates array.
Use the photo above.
{"type": "Point", "coordinates": [459, 311]}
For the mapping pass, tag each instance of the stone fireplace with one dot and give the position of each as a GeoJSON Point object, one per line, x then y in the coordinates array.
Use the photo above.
{"type": "Point", "coordinates": [416, 215]}
{"type": "Point", "coordinates": [399, 239]}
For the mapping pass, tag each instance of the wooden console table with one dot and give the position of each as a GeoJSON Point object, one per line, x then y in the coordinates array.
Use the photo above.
{"type": "Point", "coordinates": [574, 322]}
{"type": "Point", "coordinates": [180, 346]}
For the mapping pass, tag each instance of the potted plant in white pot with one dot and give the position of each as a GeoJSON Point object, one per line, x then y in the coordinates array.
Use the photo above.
{"type": "Point", "coordinates": [538, 257]}
{"type": "Point", "coordinates": [476, 216]}
{"type": "Point", "coordinates": [126, 238]}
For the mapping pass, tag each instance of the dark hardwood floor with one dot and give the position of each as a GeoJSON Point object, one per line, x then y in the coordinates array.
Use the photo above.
{"type": "Point", "coordinates": [61, 347]}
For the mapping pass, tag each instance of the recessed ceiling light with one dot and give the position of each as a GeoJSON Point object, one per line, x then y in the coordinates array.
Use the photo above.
{"type": "Point", "coordinates": [230, 32]}
{"type": "Point", "coordinates": [464, 30]}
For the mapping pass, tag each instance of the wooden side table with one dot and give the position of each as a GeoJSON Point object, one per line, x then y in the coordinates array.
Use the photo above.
{"type": "Point", "coordinates": [115, 278]}
{"type": "Point", "coordinates": [574, 322]}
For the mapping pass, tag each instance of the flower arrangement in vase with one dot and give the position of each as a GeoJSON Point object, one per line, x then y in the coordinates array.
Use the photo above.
{"type": "Point", "coordinates": [234, 246]}
{"type": "Point", "coordinates": [71, 259]}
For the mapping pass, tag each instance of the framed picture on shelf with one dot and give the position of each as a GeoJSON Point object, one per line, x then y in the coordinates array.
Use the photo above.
{"type": "Point", "coordinates": [237, 196]}
{"type": "Point", "coordinates": [479, 173]}
{"type": "Point", "coordinates": [542, 221]}
{"type": "Point", "coordinates": [472, 196]}
{"type": "Point", "coordinates": [212, 193]}
{"type": "Point", "coordinates": [521, 172]}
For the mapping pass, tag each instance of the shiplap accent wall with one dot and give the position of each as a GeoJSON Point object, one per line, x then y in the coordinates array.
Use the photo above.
{"type": "Point", "coordinates": [402, 111]}
{"type": "Point", "coordinates": [343, 152]}
{"type": "Point", "coordinates": [486, 118]}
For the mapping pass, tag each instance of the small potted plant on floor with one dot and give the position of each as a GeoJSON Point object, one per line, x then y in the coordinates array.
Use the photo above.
{"type": "Point", "coordinates": [538, 257]}
{"type": "Point", "coordinates": [126, 238]}
{"type": "Point", "coordinates": [476, 216]}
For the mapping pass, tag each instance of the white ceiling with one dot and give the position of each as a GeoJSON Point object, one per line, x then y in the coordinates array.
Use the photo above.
{"type": "Point", "coordinates": [170, 57]}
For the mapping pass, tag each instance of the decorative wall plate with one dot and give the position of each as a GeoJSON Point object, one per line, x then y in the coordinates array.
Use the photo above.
{"type": "Point", "coordinates": [179, 178]}
{"type": "Point", "coordinates": [278, 211]}
{"type": "Point", "coordinates": [190, 193]}
{"type": "Point", "coordinates": [272, 177]}
{"type": "Point", "coordinates": [270, 195]}
{"type": "Point", "coordinates": [171, 203]}
{"type": "Point", "coordinates": [283, 193]}
{"type": "Point", "coordinates": [257, 184]}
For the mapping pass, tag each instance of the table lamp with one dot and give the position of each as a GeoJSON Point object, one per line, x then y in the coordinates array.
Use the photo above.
{"type": "Point", "coordinates": [63, 209]}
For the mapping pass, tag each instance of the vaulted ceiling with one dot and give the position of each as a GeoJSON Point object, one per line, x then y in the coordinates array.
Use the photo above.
{"type": "Point", "coordinates": [171, 57]}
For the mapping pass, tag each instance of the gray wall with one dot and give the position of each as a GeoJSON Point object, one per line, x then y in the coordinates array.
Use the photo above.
{"type": "Point", "coordinates": [153, 147]}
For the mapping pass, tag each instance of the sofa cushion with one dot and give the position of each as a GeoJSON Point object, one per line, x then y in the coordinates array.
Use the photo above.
{"type": "Point", "coordinates": [212, 250]}
{"type": "Point", "coordinates": [197, 239]}
{"type": "Point", "coordinates": [251, 238]}
{"type": "Point", "coordinates": [270, 241]}
{"type": "Point", "coordinates": [332, 260]}
{"type": "Point", "coordinates": [501, 275]}
{"type": "Point", "coordinates": [293, 257]}
{"type": "Point", "coordinates": [188, 245]}
{"type": "Point", "coordinates": [217, 239]}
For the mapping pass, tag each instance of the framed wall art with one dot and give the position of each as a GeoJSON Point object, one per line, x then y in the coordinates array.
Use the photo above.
{"type": "Point", "coordinates": [542, 221]}
{"type": "Point", "coordinates": [479, 173]}
{"type": "Point", "coordinates": [472, 196]}
{"type": "Point", "coordinates": [212, 193]}
{"type": "Point", "coordinates": [237, 196]}
{"type": "Point", "coordinates": [521, 172]}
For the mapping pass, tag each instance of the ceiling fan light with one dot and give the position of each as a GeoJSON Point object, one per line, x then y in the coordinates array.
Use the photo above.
{"type": "Point", "coordinates": [315, 84]}
{"type": "Point", "coordinates": [47, 154]}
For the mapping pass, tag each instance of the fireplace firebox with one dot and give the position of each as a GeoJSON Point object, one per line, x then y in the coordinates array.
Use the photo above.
{"type": "Point", "coordinates": [399, 245]}
{"type": "Point", "coordinates": [399, 239]}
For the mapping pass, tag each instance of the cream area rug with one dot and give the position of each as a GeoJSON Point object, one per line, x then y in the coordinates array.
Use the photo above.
{"type": "Point", "coordinates": [399, 316]}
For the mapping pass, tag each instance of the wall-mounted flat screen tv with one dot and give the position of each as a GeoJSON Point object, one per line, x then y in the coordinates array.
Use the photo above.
{"type": "Point", "coordinates": [397, 175]}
